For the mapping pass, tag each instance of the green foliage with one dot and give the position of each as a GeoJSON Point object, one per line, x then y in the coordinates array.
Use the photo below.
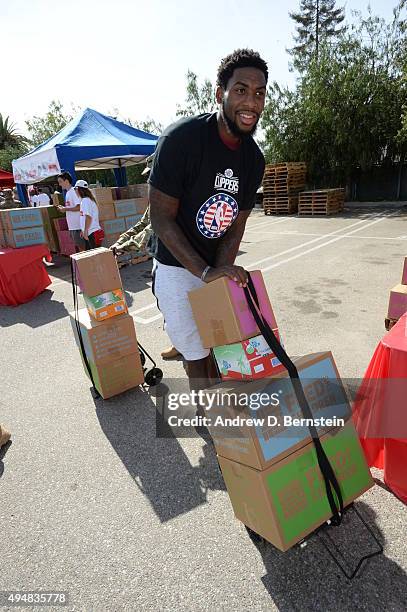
{"type": "Point", "coordinates": [8, 133]}
{"type": "Point", "coordinates": [10, 152]}
{"type": "Point", "coordinates": [41, 128]}
{"type": "Point", "coordinates": [346, 110]}
{"type": "Point", "coordinates": [317, 22]}
{"type": "Point", "coordinates": [199, 99]}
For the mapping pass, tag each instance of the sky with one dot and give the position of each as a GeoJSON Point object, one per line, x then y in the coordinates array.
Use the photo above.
{"type": "Point", "coordinates": [133, 55]}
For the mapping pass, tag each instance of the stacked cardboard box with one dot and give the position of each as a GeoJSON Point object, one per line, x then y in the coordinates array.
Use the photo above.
{"type": "Point", "coordinates": [22, 227]}
{"type": "Point", "coordinates": [226, 325]}
{"type": "Point", "coordinates": [107, 331]}
{"type": "Point", "coordinates": [50, 214]}
{"type": "Point", "coordinates": [397, 300]}
{"type": "Point", "coordinates": [269, 464]}
{"type": "Point", "coordinates": [130, 191]}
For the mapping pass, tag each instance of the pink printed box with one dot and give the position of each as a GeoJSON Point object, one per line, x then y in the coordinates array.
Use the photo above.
{"type": "Point", "coordinates": [66, 244]}
{"type": "Point", "coordinates": [60, 224]}
{"type": "Point", "coordinates": [222, 313]}
{"type": "Point", "coordinates": [397, 302]}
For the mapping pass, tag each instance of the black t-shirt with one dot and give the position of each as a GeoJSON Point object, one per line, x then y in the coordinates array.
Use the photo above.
{"type": "Point", "coordinates": [212, 182]}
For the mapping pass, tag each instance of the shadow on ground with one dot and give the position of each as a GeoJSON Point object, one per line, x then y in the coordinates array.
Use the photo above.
{"type": "Point", "coordinates": [40, 311]}
{"type": "Point", "coordinates": [307, 579]}
{"type": "Point", "coordinates": [158, 466]}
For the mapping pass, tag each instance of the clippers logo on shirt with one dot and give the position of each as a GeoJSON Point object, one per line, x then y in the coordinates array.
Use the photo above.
{"type": "Point", "coordinates": [216, 215]}
{"type": "Point", "coordinates": [227, 181]}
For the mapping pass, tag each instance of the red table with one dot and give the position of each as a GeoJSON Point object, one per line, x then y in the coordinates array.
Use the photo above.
{"type": "Point", "coordinates": [22, 274]}
{"type": "Point", "coordinates": [380, 409]}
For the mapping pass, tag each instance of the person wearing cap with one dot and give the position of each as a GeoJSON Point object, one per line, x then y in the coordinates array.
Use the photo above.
{"type": "Point", "coordinates": [72, 210]}
{"type": "Point", "coordinates": [89, 214]}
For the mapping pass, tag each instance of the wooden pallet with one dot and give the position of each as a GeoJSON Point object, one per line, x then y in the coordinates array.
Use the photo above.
{"type": "Point", "coordinates": [321, 202]}
{"type": "Point", "coordinates": [282, 205]}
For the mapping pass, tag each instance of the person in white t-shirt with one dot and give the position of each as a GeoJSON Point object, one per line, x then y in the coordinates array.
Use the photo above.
{"type": "Point", "coordinates": [72, 210]}
{"type": "Point", "coordinates": [42, 198]}
{"type": "Point", "coordinates": [89, 214]}
{"type": "Point", "coordinates": [33, 196]}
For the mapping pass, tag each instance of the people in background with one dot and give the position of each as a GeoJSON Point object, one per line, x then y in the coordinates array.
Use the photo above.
{"type": "Point", "coordinates": [89, 214]}
{"type": "Point", "coordinates": [32, 196]}
{"type": "Point", "coordinates": [43, 198]}
{"type": "Point", "coordinates": [72, 210]}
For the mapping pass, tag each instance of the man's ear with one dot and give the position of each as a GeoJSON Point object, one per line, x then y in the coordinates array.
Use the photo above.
{"type": "Point", "coordinates": [219, 94]}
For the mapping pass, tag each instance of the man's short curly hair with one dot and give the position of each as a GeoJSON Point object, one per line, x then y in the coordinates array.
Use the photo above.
{"type": "Point", "coordinates": [241, 58]}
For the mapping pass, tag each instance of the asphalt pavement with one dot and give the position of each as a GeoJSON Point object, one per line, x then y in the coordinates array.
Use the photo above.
{"type": "Point", "coordinates": [94, 504]}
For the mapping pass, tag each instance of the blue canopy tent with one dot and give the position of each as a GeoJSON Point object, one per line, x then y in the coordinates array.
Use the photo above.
{"type": "Point", "coordinates": [91, 141]}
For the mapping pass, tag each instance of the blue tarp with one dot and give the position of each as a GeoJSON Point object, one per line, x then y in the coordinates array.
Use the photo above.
{"type": "Point", "coordinates": [92, 141]}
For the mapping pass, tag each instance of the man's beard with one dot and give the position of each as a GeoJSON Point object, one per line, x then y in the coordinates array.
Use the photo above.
{"type": "Point", "coordinates": [234, 128]}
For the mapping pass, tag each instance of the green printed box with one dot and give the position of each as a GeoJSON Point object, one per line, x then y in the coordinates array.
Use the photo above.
{"type": "Point", "coordinates": [287, 501]}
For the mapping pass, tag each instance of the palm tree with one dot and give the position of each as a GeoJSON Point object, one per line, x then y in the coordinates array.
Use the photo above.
{"type": "Point", "coordinates": [8, 133]}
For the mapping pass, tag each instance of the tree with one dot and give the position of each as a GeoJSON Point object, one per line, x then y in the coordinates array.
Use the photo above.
{"type": "Point", "coordinates": [199, 99]}
{"type": "Point", "coordinates": [149, 125]}
{"type": "Point", "coordinates": [346, 110]}
{"type": "Point", "coordinates": [8, 133]}
{"type": "Point", "coordinates": [10, 152]}
{"type": "Point", "coordinates": [317, 22]}
{"type": "Point", "coordinates": [42, 128]}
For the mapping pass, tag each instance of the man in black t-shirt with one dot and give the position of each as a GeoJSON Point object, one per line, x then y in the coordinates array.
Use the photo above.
{"type": "Point", "coordinates": [205, 175]}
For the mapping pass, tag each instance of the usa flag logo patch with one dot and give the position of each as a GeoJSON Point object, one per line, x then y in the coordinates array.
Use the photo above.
{"type": "Point", "coordinates": [216, 215]}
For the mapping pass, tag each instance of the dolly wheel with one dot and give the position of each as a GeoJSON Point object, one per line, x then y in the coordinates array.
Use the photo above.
{"type": "Point", "coordinates": [153, 377]}
{"type": "Point", "coordinates": [142, 358]}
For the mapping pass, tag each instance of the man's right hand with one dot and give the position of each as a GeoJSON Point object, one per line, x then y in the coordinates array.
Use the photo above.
{"type": "Point", "coordinates": [236, 273]}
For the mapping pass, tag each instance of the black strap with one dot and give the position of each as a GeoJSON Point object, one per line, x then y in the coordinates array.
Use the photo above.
{"type": "Point", "coordinates": [328, 473]}
{"type": "Point", "coordinates": [78, 326]}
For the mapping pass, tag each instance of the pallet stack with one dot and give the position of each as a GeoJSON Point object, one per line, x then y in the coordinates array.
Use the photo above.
{"type": "Point", "coordinates": [322, 202]}
{"type": "Point", "coordinates": [281, 186]}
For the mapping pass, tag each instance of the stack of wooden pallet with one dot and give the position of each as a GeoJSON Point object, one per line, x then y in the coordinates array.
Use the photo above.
{"type": "Point", "coordinates": [281, 185]}
{"type": "Point", "coordinates": [321, 202]}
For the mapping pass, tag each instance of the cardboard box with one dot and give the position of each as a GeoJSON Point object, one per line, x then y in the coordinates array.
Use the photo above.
{"type": "Point", "coordinates": [105, 341]}
{"type": "Point", "coordinates": [25, 237]}
{"type": "Point", "coordinates": [397, 302]}
{"type": "Point", "coordinates": [118, 376]}
{"type": "Point", "coordinates": [60, 224]}
{"type": "Point", "coordinates": [404, 275]}
{"type": "Point", "coordinates": [57, 199]}
{"type": "Point", "coordinates": [288, 501]}
{"type": "Point", "coordinates": [131, 191]}
{"type": "Point", "coordinates": [110, 239]}
{"type": "Point", "coordinates": [114, 226]}
{"type": "Point", "coordinates": [141, 205]}
{"type": "Point", "coordinates": [97, 271]}
{"type": "Point", "coordinates": [49, 215]}
{"type": "Point", "coordinates": [106, 305]}
{"type": "Point", "coordinates": [66, 244]}
{"type": "Point", "coordinates": [132, 220]}
{"type": "Point", "coordinates": [125, 208]}
{"type": "Point", "coordinates": [3, 242]}
{"type": "Point", "coordinates": [20, 218]}
{"type": "Point", "coordinates": [106, 211]}
{"type": "Point", "coordinates": [272, 401]}
{"type": "Point", "coordinates": [103, 195]}
{"type": "Point", "coordinates": [246, 360]}
{"type": "Point", "coordinates": [222, 313]}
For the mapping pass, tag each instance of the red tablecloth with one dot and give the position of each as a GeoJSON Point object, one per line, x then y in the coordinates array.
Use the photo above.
{"type": "Point", "coordinates": [22, 274]}
{"type": "Point", "coordinates": [380, 409]}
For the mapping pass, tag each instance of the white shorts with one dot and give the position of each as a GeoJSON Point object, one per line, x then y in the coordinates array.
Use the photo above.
{"type": "Point", "coordinates": [171, 287]}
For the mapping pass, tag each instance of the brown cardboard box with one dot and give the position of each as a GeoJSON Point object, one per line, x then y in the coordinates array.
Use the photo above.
{"type": "Point", "coordinates": [404, 274]}
{"type": "Point", "coordinates": [110, 239]}
{"type": "Point", "coordinates": [222, 314]}
{"type": "Point", "coordinates": [141, 204]}
{"type": "Point", "coordinates": [57, 199]}
{"type": "Point", "coordinates": [97, 271]}
{"type": "Point", "coordinates": [3, 242]}
{"type": "Point", "coordinates": [20, 218]}
{"type": "Point", "coordinates": [105, 341]}
{"type": "Point", "coordinates": [106, 211]}
{"type": "Point", "coordinates": [397, 302]}
{"type": "Point", "coordinates": [273, 403]}
{"type": "Point", "coordinates": [24, 237]}
{"type": "Point", "coordinates": [287, 501]}
{"type": "Point", "coordinates": [103, 195]}
{"type": "Point", "coordinates": [118, 376]}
